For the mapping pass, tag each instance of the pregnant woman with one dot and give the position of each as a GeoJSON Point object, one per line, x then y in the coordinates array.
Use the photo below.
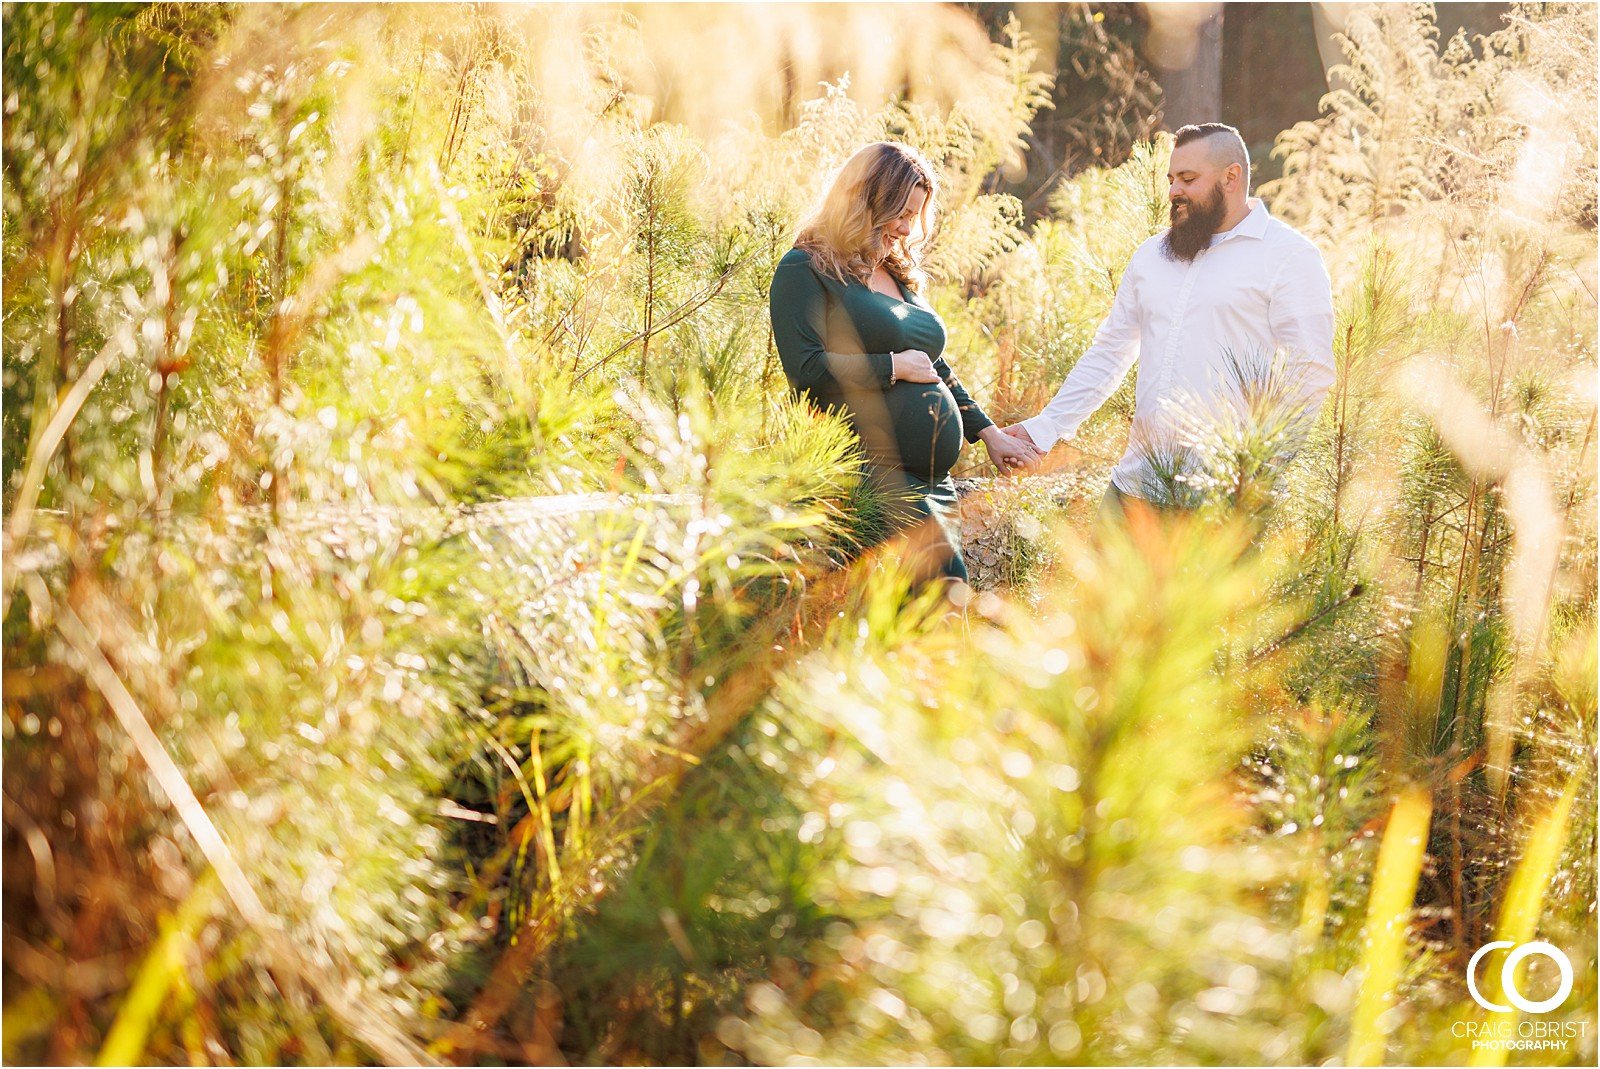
{"type": "Point", "coordinates": [855, 332]}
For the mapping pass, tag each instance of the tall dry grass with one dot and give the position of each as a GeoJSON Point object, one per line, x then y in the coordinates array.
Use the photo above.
{"type": "Point", "coordinates": [424, 636]}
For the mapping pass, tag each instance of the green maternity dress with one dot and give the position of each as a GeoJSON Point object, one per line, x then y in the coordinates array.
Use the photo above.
{"type": "Point", "coordinates": [837, 341]}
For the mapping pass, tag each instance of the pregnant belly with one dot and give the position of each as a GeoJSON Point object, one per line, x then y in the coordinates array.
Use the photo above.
{"type": "Point", "coordinates": [924, 426]}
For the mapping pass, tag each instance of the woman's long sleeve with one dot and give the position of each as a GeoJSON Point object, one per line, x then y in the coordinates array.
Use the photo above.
{"type": "Point", "coordinates": [799, 315]}
{"type": "Point", "coordinates": [974, 420]}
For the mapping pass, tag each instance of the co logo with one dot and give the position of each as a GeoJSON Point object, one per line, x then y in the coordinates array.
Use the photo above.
{"type": "Point", "coordinates": [1508, 977]}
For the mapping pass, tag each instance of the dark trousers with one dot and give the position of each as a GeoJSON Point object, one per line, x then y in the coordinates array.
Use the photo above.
{"type": "Point", "coordinates": [1116, 503]}
{"type": "Point", "coordinates": [928, 514]}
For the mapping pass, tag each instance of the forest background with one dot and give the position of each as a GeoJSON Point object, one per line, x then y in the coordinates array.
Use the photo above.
{"type": "Point", "coordinates": [432, 632]}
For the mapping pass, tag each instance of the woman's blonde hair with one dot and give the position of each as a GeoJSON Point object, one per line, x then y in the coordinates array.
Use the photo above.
{"type": "Point", "coordinates": [845, 234]}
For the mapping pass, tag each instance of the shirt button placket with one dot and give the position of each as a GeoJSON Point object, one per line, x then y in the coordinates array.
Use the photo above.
{"type": "Point", "coordinates": [1169, 358]}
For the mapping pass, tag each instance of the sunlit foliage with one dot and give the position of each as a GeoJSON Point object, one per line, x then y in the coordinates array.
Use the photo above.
{"type": "Point", "coordinates": [429, 624]}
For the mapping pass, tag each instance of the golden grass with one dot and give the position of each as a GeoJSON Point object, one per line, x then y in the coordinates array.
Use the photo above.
{"type": "Point", "coordinates": [1394, 887]}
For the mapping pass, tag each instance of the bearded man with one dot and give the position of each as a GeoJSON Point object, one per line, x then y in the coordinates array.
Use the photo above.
{"type": "Point", "coordinates": [1225, 281]}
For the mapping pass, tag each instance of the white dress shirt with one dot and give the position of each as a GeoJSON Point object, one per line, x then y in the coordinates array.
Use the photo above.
{"type": "Point", "coordinates": [1258, 291]}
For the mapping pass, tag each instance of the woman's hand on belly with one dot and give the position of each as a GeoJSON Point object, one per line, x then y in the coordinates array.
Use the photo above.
{"type": "Point", "coordinates": [914, 365]}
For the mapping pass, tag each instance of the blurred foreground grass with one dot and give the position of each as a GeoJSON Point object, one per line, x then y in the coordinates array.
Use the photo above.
{"type": "Point", "coordinates": [431, 632]}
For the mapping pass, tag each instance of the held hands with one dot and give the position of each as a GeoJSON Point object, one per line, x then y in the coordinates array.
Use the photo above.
{"type": "Point", "coordinates": [914, 365]}
{"type": "Point", "coordinates": [1020, 433]}
{"type": "Point", "coordinates": [1011, 448]}
{"type": "Point", "coordinates": [1012, 451]}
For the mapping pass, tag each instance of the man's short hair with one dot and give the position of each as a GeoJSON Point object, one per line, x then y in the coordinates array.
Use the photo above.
{"type": "Point", "coordinates": [1225, 142]}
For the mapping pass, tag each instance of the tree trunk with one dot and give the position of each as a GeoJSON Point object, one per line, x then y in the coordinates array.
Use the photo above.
{"type": "Point", "coordinates": [1185, 50]}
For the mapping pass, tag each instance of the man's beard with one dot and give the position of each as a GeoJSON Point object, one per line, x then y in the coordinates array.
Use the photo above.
{"type": "Point", "coordinates": [1185, 240]}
